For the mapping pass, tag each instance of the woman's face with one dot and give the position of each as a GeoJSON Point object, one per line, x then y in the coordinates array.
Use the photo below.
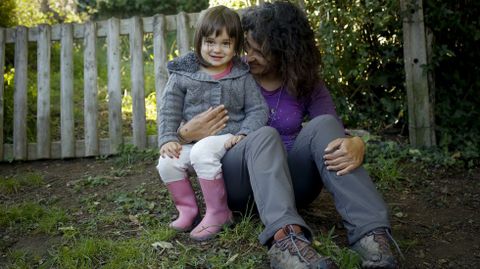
{"type": "Point", "coordinates": [260, 65]}
{"type": "Point", "coordinates": [218, 51]}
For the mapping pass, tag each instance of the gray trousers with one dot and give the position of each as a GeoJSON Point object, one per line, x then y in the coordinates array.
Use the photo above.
{"type": "Point", "coordinates": [256, 170]}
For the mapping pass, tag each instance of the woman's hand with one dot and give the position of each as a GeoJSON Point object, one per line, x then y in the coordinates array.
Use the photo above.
{"type": "Point", "coordinates": [232, 141]}
{"type": "Point", "coordinates": [171, 149]}
{"type": "Point", "coordinates": [204, 124]}
{"type": "Point", "coordinates": [344, 154]}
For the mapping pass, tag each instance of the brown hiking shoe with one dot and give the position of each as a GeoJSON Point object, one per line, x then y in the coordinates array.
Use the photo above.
{"type": "Point", "coordinates": [294, 251]}
{"type": "Point", "coordinates": [374, 250]}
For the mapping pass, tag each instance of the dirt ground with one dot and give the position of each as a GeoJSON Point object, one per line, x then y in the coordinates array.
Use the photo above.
{"type": "Point", "coordinates": [435, 212]}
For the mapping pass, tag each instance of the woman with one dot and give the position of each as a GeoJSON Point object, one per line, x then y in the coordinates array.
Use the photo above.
{"type": "Point", "coordinates": [285, 165]}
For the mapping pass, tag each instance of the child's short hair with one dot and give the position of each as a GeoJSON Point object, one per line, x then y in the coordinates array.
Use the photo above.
{"type": "Point", "coordinates": [213, 21]}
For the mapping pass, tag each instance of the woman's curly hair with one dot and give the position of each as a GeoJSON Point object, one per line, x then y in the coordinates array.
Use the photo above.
{"type": "Point", "coordinates": [284, 34]}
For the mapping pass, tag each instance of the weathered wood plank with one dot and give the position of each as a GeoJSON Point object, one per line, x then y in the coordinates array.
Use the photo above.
{"type": "Point", "coordinates": [193, 19]}
{"type": "Point", "coordinates": [152, 141]}
{"type": "Point", "coordinates": [43, 96]}
{"type": "Point", "coordinates": [114, 87]}
{"type": "Point", "coordinates": [138, 84]}
{"type": "Point", "coordinates": [183, 43]}
{"type": "Point", "coordinates": [20, 95]}
{"type": "Point", "coordinates": [67, 121]}
{"type": "Point", "coordinates": [2, 108]}
{"type": "Point", "coordinates": [56, 148]}
{"type": "Point", "coordinates": [32, 151]}
{"type": "Point", "coordinates": [90, 91]}
{"type": "Point", "coordinates": [102, 28]}
{"type": "Point", "coordinates": [10, 35]}
{"type": "Point", "coordinates": [431, 82]}
{"type": "Point", "coordinates": [421, 132]}
{"type": "Point", "coordinates": [7, 152]}
{"type": "Point", "coordinates": [160, 52]}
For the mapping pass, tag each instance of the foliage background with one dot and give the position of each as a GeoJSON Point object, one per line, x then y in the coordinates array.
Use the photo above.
{"type": "Point", "coordinates": [455, 63]}
{"type": "Point", "coordinates": [104, 9]}
{"type": "Point", "coordinates": [361, 44]}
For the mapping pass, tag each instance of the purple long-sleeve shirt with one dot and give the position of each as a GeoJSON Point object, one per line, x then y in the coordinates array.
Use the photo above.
{"type": "Point", "coordinates": [288, 112]}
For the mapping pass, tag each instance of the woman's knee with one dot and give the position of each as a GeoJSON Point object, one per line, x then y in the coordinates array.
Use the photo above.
{"type": "Point", "coordinates": [326, 122]}
{"type": "Point", "coordinates": [264, 133]}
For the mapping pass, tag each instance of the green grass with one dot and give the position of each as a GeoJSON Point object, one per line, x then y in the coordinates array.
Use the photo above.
{"type": "Point", "coordinates": [344, 257]}
{"type": "Point", "coordinates": [386, 160]}
{"type": "Point", "coordinates": [129, 155]}
{"type": "Point", "coordinates": [20, 259]}
{"type": "Point", "coordinates": [13, 185]}
{"type": "Point", "coordinates": [152, 245]}
{"type": "Point", "coordinates": [155, 248]}
{"type": "Point", "coordinates": [128, 228]}
{"type": "Point", "coordinates": [93, 252]}
{"type": "Point", "coordinates": [30, 216]}
{"type": "Point", "coordinates": [90, 182]}
{"type": "Point", "coordinates": [131, 203]}
{"type": "Point", "coordinates": [387, 172]}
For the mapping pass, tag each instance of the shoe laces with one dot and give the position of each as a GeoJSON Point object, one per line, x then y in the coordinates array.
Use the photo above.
{"type": "Point", "coordinates": [382, 237]}
{"type": "Point", "coordinates": [390, 237]}
{"type": "Point", "coordinates": [297, 245]}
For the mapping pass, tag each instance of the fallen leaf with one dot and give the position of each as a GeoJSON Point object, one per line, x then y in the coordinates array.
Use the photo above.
{"type": "Point", "coordinates": [134, 219]}
{"type": "Point", "coordinates": [162, 245]}
{"type": "Point", "coordinates": [232, 259]}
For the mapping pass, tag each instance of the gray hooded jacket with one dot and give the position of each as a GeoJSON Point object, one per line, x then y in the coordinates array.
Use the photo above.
{"type": "Point", "coordinates": [189, 92]}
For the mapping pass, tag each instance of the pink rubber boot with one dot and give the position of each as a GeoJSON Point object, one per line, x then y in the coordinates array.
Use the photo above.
{"type": "Point", "coordinates": [217, 213]}
{"type": "Point", "coordinates": [186, 204]}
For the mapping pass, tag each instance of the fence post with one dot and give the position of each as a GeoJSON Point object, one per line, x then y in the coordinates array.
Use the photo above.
{"type": "Point", "coordinates": [2, 66]}
{"type": "Point", "coordinates": [43, 96]}
{"type": "Point", "coordinates": [420, 116]}
{"type": "Point", "coordinates": [114, 86]}
{"type": "Point", "coordinates": [138, 83]}
{"type": "Point", "coordinates": [20, 95]}
{"type": "Point", "coordinates": [160, 61]}
{"type": "Point", "coordinates": [67, 121]}
{"type": "Point", "coordinates": [90, 90]}
{"type": "Point", "coordinates": [183, 43]}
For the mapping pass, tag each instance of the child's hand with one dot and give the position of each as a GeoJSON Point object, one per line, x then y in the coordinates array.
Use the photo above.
{"type": "Point", "coordinates": [171, 149]}
{"type": "Point", "coordinates": [232, 141]}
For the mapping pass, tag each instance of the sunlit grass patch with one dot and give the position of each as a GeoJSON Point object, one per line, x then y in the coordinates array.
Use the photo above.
{"type": "Point", "coordinates": [9, 185]}
{"type": "Point", "coordinates": [30, 216]}
{"type": "Point", "coordinates": [95, 252]}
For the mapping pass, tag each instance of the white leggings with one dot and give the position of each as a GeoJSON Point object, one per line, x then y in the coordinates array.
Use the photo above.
{"type": "Point", "coordinates": [204, 156]}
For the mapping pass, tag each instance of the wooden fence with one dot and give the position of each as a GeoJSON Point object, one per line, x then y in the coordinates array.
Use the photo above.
{"type": "Point", "coordinates": [420, 106]}
{"type": "Point", "coordinates": [112, 29]}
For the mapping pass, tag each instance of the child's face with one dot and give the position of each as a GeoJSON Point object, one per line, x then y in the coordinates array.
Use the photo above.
{"type": "Point", "coordinates": [218, 50]}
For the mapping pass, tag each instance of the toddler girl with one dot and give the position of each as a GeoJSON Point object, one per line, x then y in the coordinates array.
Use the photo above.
{"type": "Point", "coordinates": [210, 76]}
